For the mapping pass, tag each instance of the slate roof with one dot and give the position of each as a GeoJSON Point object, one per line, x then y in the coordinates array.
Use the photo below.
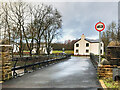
{"type": "Point", "coordinates": [90, 40]}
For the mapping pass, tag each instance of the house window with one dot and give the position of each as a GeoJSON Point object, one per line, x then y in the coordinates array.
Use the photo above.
{"type": "Point", "coordinates": [87, 51]}
{"type": "Point", "coordinates": [87, 44]}
{"type": "Point", "coordinates": [76, 50]}
{"type": "Point", "coordinates": [101, 51]}
{"type": "Point", "coordinates": [77, 45]}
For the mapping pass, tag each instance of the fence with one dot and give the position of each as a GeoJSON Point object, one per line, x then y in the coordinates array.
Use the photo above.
{"type": "Point", "coordinates": [13, 67]}
{"type": "Point", "coordinates": [28, 64]}
{"type": "Point", "coordinates": [94, 59]}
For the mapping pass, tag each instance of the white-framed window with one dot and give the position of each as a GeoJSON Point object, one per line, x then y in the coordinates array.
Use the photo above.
{"type": "Point", "coordinates": [77, 45]}
{"type": "Point", "coordinates": [87, 51]}
{"type": "Point", "coordinates": [87, 44]}
{"type": "Point", "coordinates": [77, 50]}
{"type": "Point", "coordinates": [101, 51]}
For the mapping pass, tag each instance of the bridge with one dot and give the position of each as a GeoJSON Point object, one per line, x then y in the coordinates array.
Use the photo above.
{"type": "Point", "coordinates": [75, 72]}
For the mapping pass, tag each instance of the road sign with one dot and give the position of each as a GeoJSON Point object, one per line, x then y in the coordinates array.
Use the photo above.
{"type": "Point", "coordinates": [100, 26]}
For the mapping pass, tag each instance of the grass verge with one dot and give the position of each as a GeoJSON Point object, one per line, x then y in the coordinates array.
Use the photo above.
{"type": "Point", "coordinates": [67, 51]}
{"type": "Point", "coordinates": [109, 83]}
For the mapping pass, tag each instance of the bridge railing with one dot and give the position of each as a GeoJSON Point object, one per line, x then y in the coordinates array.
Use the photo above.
{"type": "Point", "coordinates": [28, 64]}
{"type": "Point", "coordinates": [94, 59]}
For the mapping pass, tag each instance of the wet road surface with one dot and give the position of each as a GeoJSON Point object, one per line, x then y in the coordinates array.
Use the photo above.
{"type": "Point", "coordinates": [77, 72]}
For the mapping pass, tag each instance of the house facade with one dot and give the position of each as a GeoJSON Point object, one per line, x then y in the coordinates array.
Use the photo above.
{"type": "Point", "coordinates": [42, 49]}
{"type": "Point", "coordinates": [86, 46]}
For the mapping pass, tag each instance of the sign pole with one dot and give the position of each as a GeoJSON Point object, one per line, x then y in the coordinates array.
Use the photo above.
{"type": "Point", "coordinates": [99, 48]}
{"type": "Point", "coordinates": [100, 26]}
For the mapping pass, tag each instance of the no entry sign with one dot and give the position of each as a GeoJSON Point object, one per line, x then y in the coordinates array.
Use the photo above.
{"type": "Point", "coordinates": [100, 26]}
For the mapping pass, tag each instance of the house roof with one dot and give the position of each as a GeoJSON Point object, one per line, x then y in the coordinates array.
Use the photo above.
{"type": "Point", "coordinates": [90, 40]}
{"type": "Point", "coordinates": [114, 44]}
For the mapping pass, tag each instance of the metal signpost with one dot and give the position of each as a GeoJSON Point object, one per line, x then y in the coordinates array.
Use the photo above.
{"type": "Point", "coordinates": [100, 26]}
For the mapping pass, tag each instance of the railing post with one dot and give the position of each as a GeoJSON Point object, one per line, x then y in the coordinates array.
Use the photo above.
{"type": "Point", "coordinates": [14, 72]}
{"type": "Point", "coordinates": [25, 70]}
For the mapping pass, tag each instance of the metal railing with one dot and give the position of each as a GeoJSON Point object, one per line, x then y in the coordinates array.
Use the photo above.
{"type": "Point", "coordinates": [94, 60]}
{"type": "Point", "coordinates": [28, 64]}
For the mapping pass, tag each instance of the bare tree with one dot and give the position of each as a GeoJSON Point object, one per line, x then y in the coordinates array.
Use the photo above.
{"type": "Point", "coordinates": [1, 22]}
{"type": "Point", "coordinates": [113, 31]}
{"type": "Point", "coordinates": [18, 18]}
{"type": "Point", "coordinates": [118, 33]}
{"type": "Point", "coordinates": [30, 31]}
{"type": "Point", "coordinates": [111, 34]}
{"type": "Point", "coordinates": [37, 26]}
{"type": "Point", "coordinates": [25, 23]}
{"type": "Point", "coordinates": [40, 13]}
{"type": "Point", "coordinates": [54, 20]}
{"type": "Point", "coordinates": [106, 38]}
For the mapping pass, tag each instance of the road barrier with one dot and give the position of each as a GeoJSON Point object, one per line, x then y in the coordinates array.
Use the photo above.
{"type": "Point", "coordinates": [94, 59]}
{"type": "Point", "coordinates": [30, 64]}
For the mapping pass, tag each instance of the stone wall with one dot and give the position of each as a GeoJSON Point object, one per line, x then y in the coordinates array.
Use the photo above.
{"type": "Point", "coordinates": [5, 63]}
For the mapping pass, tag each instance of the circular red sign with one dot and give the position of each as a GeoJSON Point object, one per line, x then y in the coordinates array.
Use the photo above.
{"type": "Point", "coordinates": [100, 26]}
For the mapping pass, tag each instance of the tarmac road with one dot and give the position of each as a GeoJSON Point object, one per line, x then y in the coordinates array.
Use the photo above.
{"type": "Point", "coordinates": [76, 72]}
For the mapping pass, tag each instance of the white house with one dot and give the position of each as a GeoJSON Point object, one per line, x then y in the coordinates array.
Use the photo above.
{"type": "Point", "coordinates": [15, 47]}
{"type": "Point", "coordinates": [86, 46]}
{"type": "Point", "coordinates": [43, 49]}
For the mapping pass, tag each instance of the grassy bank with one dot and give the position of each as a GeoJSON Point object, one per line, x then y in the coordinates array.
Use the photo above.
{"type": "Point", "coordinates": [54, 52]}
{"type": "Point", "coordinates": [109, 83]}
{"type": "Point", "coordinates": [67, 51]}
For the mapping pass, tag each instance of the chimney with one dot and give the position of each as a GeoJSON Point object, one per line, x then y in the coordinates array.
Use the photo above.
{"type": "Point", "coordinates": [82, 37]}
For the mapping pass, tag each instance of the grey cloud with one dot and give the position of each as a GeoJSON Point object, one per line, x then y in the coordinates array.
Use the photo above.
{"type": "Point", "coordinates": [80, 17]}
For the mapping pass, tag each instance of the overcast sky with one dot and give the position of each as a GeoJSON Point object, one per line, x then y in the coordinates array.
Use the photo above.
{"type": "Point", "coordinates": [80, 17]}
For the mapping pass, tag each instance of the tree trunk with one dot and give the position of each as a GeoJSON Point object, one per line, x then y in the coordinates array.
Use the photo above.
{"type": "Point", "coordinates": [30, 53]}
{"type": "Point", "coordinates": [48, 50]}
